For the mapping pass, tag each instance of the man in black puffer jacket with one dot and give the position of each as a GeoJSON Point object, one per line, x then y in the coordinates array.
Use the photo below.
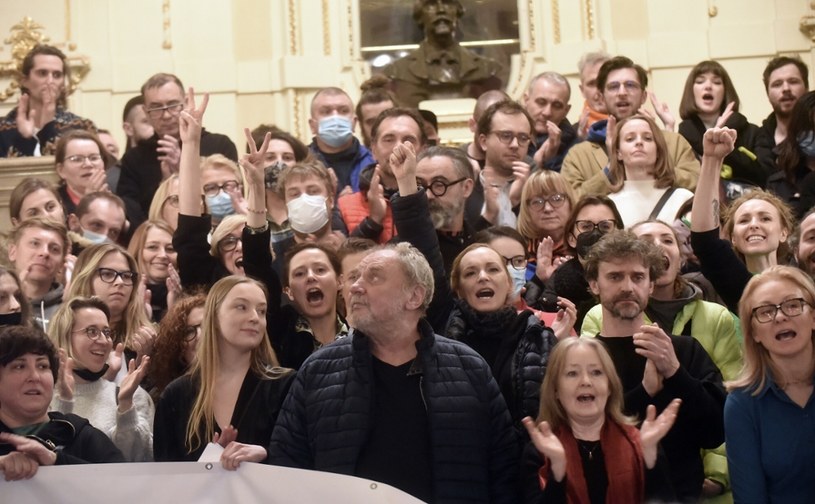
{"type": "Point", "coordinates": [395, 402]}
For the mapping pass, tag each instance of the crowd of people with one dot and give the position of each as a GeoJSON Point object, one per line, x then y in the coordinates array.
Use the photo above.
{"type": "Point", "coordinates": [606, 311]}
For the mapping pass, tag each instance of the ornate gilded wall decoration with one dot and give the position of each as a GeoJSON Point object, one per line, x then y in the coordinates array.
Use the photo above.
{"type": "Point", "coordinates": [25, 35]}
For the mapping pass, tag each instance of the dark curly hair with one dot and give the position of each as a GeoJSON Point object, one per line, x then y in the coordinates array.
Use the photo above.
{"type": "Point", "coordinates": [167, 362]}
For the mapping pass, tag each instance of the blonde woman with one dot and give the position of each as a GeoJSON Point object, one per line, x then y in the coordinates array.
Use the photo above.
{"type": "Point", "coordinates": [546, 204]}
{"type": "Point", "coordinates": [583, 448]}
{"type": "Point", "coordinates": [233, 391]}
{"type": "Point", "coordinates": [152, 247]}
{"type": "Point", "coordinates": [110, 273]}
{"type": "Point", "coordinates": [125, 412]}
{"type": "Point", "coordinates": [164, 206]}
{"type": "Point", "coordinates": [769, 412]}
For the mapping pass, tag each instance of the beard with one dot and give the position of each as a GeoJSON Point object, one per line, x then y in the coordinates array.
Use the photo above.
{"type": "Point", "coordinates": [626, 306]}
{"type": "Point", "coordinates": [443, 215]}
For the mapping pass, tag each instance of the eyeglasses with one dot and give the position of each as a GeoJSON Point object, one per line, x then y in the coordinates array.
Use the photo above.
{"type": "Point", "coordinates": [191, 331]}
{"type": "Point", "coordinates": [790, 308]}
{"type": "Point", "coordinates": [172, 108]}
{"type": "Point", "coordinates": [439, 187]}
{"type": "Point", "coordinates": [587, 226]}
{"type": "Point", "coordinates": [506, 137]}
{"type": "Point", "coordinates": [629, 85]}
{"type": "Point", "coordinates": [228, 244]}
{"type": "Point", "coordinates": [228, 186]}
{"type": "Point", "coordinates": [517, 262]}
{"type": "Point", "coordinates": [94, 333]}
{"type": "Point", "coordinates": [109, 275]}
{"type": "Point", "coordinates": [77, 159]}
{"type": "Point", "coordinates": [556, 200]}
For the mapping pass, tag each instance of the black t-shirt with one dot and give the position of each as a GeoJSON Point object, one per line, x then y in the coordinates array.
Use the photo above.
{"type": "Point", "coordinates": [398, 448]}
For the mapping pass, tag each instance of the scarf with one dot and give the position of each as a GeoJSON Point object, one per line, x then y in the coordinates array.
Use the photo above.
{"type": "Point", "coordinates": [623, 460]}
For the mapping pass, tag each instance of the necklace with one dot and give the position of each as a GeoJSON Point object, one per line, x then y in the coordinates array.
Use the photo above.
{"type": "Point", "coordinates": [588, 447]}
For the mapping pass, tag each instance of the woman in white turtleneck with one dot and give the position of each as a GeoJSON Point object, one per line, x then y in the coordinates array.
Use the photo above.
{"type": "Point", "coordinates": [641, 174]}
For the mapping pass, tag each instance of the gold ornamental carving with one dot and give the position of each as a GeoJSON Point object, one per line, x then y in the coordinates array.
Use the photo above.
{"type": "Point", "coordinates": [24, 36]}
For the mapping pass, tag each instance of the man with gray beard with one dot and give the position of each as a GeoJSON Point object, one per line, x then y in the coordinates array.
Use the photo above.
{"type": "Point", "coordinates": [446, 175]}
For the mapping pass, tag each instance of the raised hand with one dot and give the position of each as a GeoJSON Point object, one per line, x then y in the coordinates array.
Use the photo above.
{"type": "Point", "coordinates": [663, 111]}
{"type": "Point", "coordinates": [491, 208]}
{"type": "Point", "coordinates": [583, 124]}
{"type": "Point", "coordinates": [611, 133]}
{"type": "Point", "coordinates": [403, 166]}
{"type": "Point", "coordinates": [236, 452]}
{"type": "Point", "coordinates": [191, 118]}
{"type": "Point", "coordinates": [549, 148]}
{"type": "Point", "coordinates": [143, 339]}
{"type": "Point", "coordinates": [718, 143]}
{"type": "Point", "coordinates": [654, 428]}
{"type": "Point", "coordinates": [98, 181]}
{"type": "Point", "coordinates": [548, 445]}
{"type": "Point", "coordinates": [520, 171]}
{"type": "Point", "coordinates": [25, 117]}
{"type": "Point", "coordinates": [146, 295]}
{"type": "Point", "coordinates": [169, 155]}
{"type": "Point", "coordinates": [115, 361]}
{"type": "Point", "coordinates": [545, 266]}
{"type": "Point", "coordinates": [377, 204]}
{"type": "Point", "coordinates": [65, 377]}
{"type": "Point", "coordinates": [565, 318]}
{"type": "Point", "coordinates": [254, 163]}
{"type": "Point", "coordinates": [131, 382]}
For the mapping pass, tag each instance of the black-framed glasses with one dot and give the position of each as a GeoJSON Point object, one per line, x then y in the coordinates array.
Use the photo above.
{"type": "Point", "coordinates": [228, 187]}
{"type": "Point", "coordinates": [517, 262]}
{"type": "Point", "coordinates": [587, 226]}
{"type": "Point", "coordinates": [506, 137]}
{"type": "Point", "coordinates": [94, 333]}
{"type": "Point", "coordinates": [78, 159]}
{"type": "Point", "coordinates": [191, 331]}
{"type": "Point", "coordinates": [439, 187]}
{"type": "Point", "coordinates": [790, 308]}
{"type": "Point", "coordinates": [228, 243]}
{"type": "Point", "coordinates": [109, 275]}
{"type": "Point", "coordinates": [556, 200]}
{"type": "Point", "coordinates": [172, 108]}
{"type": "Point", "coordinates": [629, 85]}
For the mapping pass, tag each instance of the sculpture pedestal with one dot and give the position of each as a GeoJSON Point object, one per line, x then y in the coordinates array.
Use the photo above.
{"type": "Point", "coordinates": [453, 115]}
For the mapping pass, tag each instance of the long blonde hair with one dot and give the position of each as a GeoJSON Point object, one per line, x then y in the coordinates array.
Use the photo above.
{"type": "Point", "coordinates": [551, 410]}
{"type": "Point", "coordinates": [757, 361]}
{"type": "Point", "coordinates": [85, 268]}
{"type": "Point", "coordinates": [207, 366]}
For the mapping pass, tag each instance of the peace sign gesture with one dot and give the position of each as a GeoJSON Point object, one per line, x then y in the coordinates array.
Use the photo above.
{"type": "Point", "coordinates": [190, 119]}
{"type": "Point", "coordinates": [254, 162]}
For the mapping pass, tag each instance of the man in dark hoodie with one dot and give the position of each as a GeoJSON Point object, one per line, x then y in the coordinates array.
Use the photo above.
{"type": "Point", "coordinates": [622, 83]}
{"type": "Point", "coordinates": [37, 249]}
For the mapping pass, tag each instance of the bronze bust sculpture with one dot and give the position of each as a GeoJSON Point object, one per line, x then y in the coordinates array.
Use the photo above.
{"type": "Point", "coordinates": [440, 67]}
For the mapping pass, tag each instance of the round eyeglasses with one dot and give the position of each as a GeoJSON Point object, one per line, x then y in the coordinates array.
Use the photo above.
{"type": "Point", "coordinates": [556, 200]}
{"type": "Point", "coordinates": [439, 187]}
{"type": "Point", "coordinates": [95, 333]}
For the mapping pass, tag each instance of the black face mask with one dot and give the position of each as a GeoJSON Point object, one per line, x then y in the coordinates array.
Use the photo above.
{"type": "Point", "coordinates": [272, 172]}
{"type": "Point", "coordinates": [15, 318]}
{"type": "Point", "coordinates": [585, 241]}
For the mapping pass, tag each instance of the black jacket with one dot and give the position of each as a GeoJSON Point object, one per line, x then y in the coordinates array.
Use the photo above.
{"type": "Point", "coordinates": [746, 167]}
{"type": "Point", "coordinates": [74, 439]}
{"type": "Point", "coordinates": [195, 264]}
{"type": "Point", "coordinates": [700, 422]}
{"type": "Point", "coordinates": [522, 356]}
{"type": "Point", "coordinates": [721, 266]}
{"type": "Point", "coordinates": [568, 138]}
{"type": "Point", "coordinates": [141, 172]}
{"type": "Point", "coordinates": [325, 420]}
{"type": "Point", "coordinates": [254, 415]}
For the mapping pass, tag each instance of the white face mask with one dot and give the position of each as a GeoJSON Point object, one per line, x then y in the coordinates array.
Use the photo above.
{"type": "Point", "coordinates": [95, 238]}
{"type": "Point", "coordinates": [518, 277]}
{"type": "Point", "coordinates": [308, 213]}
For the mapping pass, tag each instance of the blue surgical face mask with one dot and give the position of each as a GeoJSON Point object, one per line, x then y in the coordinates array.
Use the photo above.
{"type": "Point", "coordinates": [335, 130]}
{"type": "Point", "coordinates": [806, 142]}
{"type": "Point", "coordinates": [518, 280]}
{"type": "Point", "coordinates": [95, 238]}
{"type": "Point", "coordinates": [220, 205]}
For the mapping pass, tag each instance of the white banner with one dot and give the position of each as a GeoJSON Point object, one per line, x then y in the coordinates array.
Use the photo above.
{"type": "Point", "coordinates": [182, 482]}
